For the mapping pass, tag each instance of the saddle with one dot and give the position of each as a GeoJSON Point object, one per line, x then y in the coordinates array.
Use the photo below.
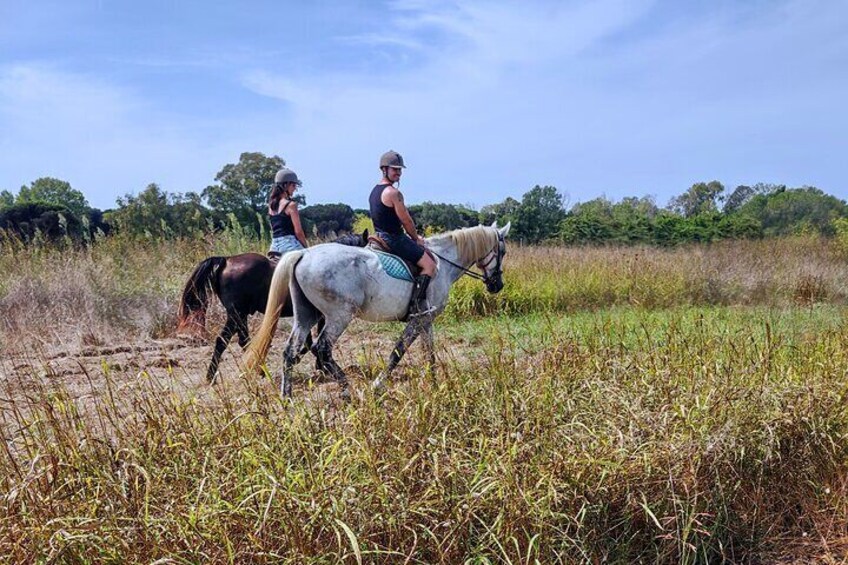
{"type": "Point", "coordinates": [377, 244]}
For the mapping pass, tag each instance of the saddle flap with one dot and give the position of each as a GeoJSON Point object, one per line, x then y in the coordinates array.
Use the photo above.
{"type": "Point", "coordinates": [395, 266]}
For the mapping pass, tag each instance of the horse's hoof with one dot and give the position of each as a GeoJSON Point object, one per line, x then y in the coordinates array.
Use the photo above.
{"type": "Point", "coordinates": [345, 395]}
{"type": "Point", "coordinates": [286, 389]}
{"type": "Point", "coordinates": [378, 388]}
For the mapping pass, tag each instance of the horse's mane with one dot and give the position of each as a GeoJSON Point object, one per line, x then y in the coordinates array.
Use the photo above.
{"type": "Point", "coordinates": [472, 244]}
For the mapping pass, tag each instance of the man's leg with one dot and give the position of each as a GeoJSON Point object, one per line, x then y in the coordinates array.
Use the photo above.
{"type": "Point", "coordinates": [427, 265]}
{"type": "Point", "coordinates": [418, 302]}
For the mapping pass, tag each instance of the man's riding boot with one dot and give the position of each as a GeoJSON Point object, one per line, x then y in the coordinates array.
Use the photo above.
{"type": "Point", "coordinates": [418, 301]}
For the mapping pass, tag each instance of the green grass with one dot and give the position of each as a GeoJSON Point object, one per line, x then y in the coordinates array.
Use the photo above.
{"type": "Point", "coordinates": [692, 435]}
{"type": "Point", "coordinates": [618, 404]}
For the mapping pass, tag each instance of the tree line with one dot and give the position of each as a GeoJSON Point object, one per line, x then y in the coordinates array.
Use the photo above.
{"type": "Point", "coordinates": [50, 208]}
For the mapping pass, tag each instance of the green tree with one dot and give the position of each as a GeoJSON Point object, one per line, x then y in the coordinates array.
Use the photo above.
{"type": "Point", "coordinates": [156, 213]}
{"type": "Point", "coordinates": [55, 191]}
{"type": "Point", "coordinates": [742, 194]}
{"type": "Point", "coordinates": [787, 211]}
{"type": "Point", "coordinates": [669, 229]}
{"type": "Point", "coordinates": [701, 198]}
{"type": "Point", "coordinates": [49, 221]}
{"type": "Point", "coordinates": [6, 198]}
{"type": "Point", "coordinates": [539, 216]}
{"type": "Point", "coordinates": [588, 222]}
{"type": "Point", "coordinates": [739, 226]}
{"type": "Point", "coordinates": [502, 212]}
{"type": "Point", "coordinates": [632, 219]}
{"type": "Point", "coordinates": [600, 221]}
{"type": "Point", "coordinates": [243, 187]}
{"type": "Point", "coordinates": [328, 218]}
{"type": "Point", "coordinates": [431, 217]}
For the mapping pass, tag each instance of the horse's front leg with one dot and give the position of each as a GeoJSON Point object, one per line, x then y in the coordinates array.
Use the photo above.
{"type": "Point", "coordinates": [221, 343]}
{"type": "Point", "coordinates": [413, 328]}
{"type": "Point", "coordinates": [429, 348]}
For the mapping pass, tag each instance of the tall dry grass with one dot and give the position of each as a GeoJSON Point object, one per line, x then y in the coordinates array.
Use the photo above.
{"type": "Point", "coordinates": [128, 289]}
{"type": "Point", "coordinates": [680, 435]}
{"type": "Point", "coordinates": [772, 272]}
{"type": "Point", "coordinates": [679, 443]}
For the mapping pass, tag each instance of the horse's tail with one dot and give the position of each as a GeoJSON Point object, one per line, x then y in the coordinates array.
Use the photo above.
{"type": "Point", "coordinates": [191, 317]}
{"type": "Point", "coordinates": [256, 352]}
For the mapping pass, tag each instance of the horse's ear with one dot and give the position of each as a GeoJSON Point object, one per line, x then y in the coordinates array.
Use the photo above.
{"type": "Point", "coordinates": [505, 230]}
{"type": "Point", "coordinates": [495, 224]}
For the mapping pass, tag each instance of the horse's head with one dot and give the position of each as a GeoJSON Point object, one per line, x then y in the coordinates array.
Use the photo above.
{"type": "Point", "coordinates": [353, 239]}
{"type": "Point", "coordinates": [492, 263]}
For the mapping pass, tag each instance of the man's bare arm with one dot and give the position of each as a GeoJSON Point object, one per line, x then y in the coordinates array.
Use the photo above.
{"type": "Point", "coordinates": [403, 215]}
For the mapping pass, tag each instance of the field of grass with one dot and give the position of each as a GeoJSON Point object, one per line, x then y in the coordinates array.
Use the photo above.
{"type": "Point", "coordinates": [616, 405]}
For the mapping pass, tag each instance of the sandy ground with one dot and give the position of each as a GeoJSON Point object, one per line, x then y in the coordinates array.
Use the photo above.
{"type": "Point", "coordinates": [179, 363]}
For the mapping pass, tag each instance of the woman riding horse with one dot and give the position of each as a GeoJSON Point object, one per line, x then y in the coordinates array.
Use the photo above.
{"type": "Point", "coordinates": [286, 230]}
{"type": "Point", "coordinates": [242, 281]}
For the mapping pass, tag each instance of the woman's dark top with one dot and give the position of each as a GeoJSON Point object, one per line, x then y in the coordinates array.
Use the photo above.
{"type": "Point", "coordinates": [385, 219]}
{"type": "Point", "coordinates": [281, 224]}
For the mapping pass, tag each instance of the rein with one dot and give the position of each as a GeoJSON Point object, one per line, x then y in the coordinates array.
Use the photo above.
{"type": "Point", "coordinates": [465, 271]}
{"type": "Point", "coordinates": [468, 271]}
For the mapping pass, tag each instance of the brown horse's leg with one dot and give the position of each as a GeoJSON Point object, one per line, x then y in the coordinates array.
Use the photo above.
{"type": "Point", "coordinates": [241, 328]}
{"type": "Point", "coordinates": [221, 343]}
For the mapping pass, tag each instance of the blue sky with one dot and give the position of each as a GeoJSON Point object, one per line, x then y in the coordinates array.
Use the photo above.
{"type": "Point", "coordinates": [484, 99]}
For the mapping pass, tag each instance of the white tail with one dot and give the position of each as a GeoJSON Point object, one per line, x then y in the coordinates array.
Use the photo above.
{"type": "Point", "coordinates": [254, 356]}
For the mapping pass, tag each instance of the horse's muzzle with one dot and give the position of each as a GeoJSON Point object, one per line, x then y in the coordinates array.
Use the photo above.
{"type": "Point", "coordinates": [494, 286]}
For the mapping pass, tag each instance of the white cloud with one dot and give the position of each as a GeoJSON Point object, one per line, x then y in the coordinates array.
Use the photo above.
{"type": "Point", "coordinates": [105, 140]}
{"type": "Point", "coordinates": [483, 99]}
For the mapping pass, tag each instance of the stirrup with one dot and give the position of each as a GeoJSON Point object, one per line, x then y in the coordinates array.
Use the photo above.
{"type": "Point", "coordinates": [428, 310]}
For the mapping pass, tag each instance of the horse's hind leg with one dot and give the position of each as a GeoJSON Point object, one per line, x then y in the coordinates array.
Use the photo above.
{"type": "Point", "coordinates": [305, 316]}
{"type": "Point", "coordinates": [319, 364]}
{"type": "Point", "coordinates": [413, 328]}
{"type": "Point", "coordinates": [241, 328]}
{"type": "Point", "coordinates": [221, 343]}
{"type": "Point", "coordinates": [333, 329]}
{"type": "Point", "coordinates": [294, 351]}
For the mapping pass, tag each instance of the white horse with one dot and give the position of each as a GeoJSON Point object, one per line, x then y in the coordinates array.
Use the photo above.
{"type": "Point", "coordinates": [340, 283]}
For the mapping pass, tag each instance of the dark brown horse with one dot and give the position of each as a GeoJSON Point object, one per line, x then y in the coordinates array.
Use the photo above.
{"type": "Point", "coordinates": [241, 283]}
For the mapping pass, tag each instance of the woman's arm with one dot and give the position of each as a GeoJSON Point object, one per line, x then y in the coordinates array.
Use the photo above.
{"type": "Point", "coordinates": [298, 228]}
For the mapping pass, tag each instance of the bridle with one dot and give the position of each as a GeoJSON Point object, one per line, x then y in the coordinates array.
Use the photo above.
{"type": "Point", "coordinates": [498, 257]}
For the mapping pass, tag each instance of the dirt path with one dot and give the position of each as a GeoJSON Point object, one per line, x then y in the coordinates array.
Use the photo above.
{"type": "Point", "coordinates": [179, 365]}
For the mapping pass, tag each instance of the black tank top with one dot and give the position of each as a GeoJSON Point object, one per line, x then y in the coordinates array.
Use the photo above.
{"type": "Point", "coordinates": [384, 218]}
{"type": "Point", "coordinates": [281, 224]}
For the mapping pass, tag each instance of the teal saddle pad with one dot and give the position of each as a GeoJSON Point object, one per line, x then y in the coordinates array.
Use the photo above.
{"type": "Point", "coordinates": [394, 266]}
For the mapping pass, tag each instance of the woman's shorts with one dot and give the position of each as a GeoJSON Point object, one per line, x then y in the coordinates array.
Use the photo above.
{"type": "Point", "coordinates": [403, 246]}
{"type": "Point", "coordinates": [285, 244]}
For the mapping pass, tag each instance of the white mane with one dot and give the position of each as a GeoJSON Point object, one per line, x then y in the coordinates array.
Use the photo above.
{"type": "Point", "coordinates": [472, 244]}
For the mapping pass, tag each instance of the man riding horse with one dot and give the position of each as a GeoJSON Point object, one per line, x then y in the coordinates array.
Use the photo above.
{"type": "Point", "coordinates": [391, 218]}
